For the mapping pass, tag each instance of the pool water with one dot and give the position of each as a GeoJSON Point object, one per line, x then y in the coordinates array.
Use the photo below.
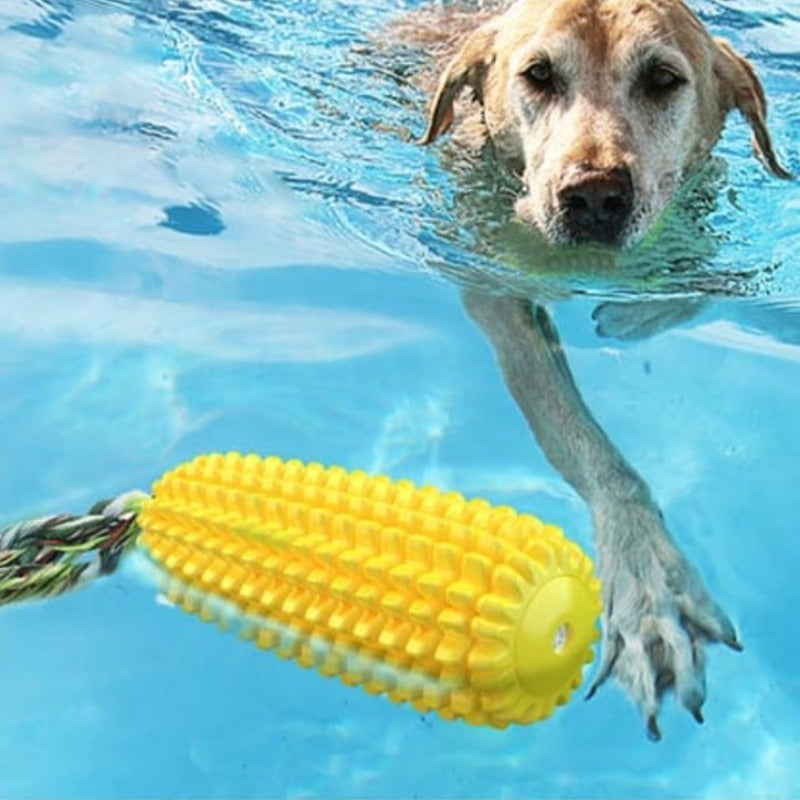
{"type": "Point", "coordinates": [216, 233]}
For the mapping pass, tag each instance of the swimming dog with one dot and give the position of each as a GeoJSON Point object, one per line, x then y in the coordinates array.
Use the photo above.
{"type": "Point", "coordinates": [602, 108]}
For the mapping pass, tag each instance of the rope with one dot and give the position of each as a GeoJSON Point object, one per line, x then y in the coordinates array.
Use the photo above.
{"type": "Point", "coordinates": [52, 555]}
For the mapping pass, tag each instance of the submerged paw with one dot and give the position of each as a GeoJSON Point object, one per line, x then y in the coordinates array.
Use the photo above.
{"type": "Point", "coordinates": [657, 646]}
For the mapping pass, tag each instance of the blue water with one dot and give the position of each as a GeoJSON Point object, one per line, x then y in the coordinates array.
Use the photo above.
{"type": "Point", "coordinates": [215, 234]}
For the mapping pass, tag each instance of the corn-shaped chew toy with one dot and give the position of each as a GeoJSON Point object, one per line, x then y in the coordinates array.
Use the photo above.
{"type": "Point", "coordinates": [475, 612]}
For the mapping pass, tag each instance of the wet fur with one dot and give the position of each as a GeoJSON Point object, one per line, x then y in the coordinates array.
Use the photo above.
{"type": "Point", "coordinates": [657, 614]}
{"type": "Point", "coordinates": [601, 119]}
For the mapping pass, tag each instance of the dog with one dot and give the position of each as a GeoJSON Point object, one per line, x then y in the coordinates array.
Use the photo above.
{"type": "Point", "coordinates": [603, 109]}
{"type": "Point", "coordinates": [602, 106]}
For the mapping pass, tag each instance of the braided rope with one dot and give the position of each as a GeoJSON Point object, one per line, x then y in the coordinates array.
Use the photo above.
{"type": "Point", "coordinates": [52, 555]}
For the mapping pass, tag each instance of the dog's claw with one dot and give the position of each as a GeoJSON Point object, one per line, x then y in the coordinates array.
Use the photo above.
{"type": "Point", "coordinates": [653, 731]}
{"type": "Point", "coordinates": [610, 654]}
{"type": "Point", "coordinates": [710, 620]}
{"type": "Point", "coordinates": [658, 616]}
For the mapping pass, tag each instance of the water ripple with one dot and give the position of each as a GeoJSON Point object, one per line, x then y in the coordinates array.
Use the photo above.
{"type": "Point", "coordinates": [299, 93]}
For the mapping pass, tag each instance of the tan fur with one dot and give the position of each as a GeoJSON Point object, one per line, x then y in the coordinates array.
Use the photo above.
{"type": "Point", "coordinates": [598, 127]}
{"type": "Point", "coordinates": [600, 121]}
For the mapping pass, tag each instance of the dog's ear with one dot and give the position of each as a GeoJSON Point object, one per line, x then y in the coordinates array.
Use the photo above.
{"type": "Point", "coordinates": [741, 88]}
{"type": "Point", "coordinates": [467, 68]}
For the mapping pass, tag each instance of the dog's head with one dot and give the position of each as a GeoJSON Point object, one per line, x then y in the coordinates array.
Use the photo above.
{"type": "Point", "coordinates": [603, 106]}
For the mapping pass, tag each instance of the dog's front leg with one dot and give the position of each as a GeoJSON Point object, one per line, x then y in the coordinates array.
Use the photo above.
{"type": "Point", "coordinates": [657, 614]}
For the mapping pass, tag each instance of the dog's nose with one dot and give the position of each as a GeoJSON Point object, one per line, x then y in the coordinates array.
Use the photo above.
{"type": "Point", "coordinates": [597, 207]}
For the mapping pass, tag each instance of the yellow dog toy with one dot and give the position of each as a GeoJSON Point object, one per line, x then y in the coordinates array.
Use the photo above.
{"type": "Point", "coordinates": [474, 612]}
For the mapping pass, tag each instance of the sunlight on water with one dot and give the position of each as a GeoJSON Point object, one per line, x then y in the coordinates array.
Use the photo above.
{"type": "Point", "coordinates": [242, 110]}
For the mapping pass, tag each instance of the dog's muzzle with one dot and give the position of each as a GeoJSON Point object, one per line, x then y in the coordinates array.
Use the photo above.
{"type": "Point", "coordinates": [596, 207]}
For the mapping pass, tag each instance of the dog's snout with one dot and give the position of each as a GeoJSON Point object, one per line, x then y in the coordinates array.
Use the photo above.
{"type": "Point", "coordinates": [597, 207]}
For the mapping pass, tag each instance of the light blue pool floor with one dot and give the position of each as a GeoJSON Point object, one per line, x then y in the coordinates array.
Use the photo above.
{"type": "Point", "coordinates": [205, 245]}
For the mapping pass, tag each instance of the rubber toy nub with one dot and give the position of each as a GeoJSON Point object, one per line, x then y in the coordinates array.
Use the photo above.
{"type": "Point", "coordinates": [475, 612]}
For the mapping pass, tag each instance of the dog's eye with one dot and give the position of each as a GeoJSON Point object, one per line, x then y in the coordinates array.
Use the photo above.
{"type": "Point", "coordinates": [659, 80]}
{"type": "Point", "coordinates": [540, 76]}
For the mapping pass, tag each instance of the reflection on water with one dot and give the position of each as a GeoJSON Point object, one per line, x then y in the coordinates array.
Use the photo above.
{"type": "Point", "coordinates": [238, 106]}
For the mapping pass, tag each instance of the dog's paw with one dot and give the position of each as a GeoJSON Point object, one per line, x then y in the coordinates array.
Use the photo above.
{"type": "Point", "coordinates": [657, 614]}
